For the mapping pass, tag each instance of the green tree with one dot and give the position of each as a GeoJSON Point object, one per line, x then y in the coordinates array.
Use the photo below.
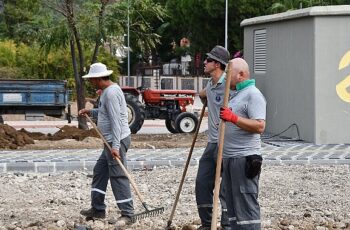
{"type": "Point", "coordinates": [286, 5]}
{"type": "Point", "coordinates": [203, 22]}
{"type": "Point", "coordinates": [88, 23]}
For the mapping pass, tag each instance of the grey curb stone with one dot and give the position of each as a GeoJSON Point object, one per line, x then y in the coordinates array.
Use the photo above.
{"type": "Point", "coordinates": [3, 167]}
{"type": "Point", "coordinates": [343, 161]}
{"type": "Point", "coordinates": [20, 166]}
{"type": "Point", "coordinates": [282, 153]}
{"type": "Point", "coordinates": [45, 167]}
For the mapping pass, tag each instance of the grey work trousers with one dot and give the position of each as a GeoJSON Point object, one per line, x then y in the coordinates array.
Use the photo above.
{"type": "Point", "coordinates": [106, 169]}
{"type": "Point", "coordinates": [241, 195]}
{"type": "Point", "coordinates": [205, 183]}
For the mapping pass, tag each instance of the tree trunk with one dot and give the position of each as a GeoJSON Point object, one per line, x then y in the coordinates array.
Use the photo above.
{"type": "Point", "coordinates": [79, 87]}
{"type": "Point", "coordinates": [100, 33]}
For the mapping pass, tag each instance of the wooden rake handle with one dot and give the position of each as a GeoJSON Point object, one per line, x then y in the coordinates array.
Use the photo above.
{"type": "Point", "coordinates": [220, 149]}
{"type": "Point", "coordinates": [186, 165]}
{"type": "Point", "coordinates": [132, 182]}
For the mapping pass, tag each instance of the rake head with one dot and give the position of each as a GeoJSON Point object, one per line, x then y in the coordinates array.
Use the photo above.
{"type": "Point", "coordinates": [147, 213]}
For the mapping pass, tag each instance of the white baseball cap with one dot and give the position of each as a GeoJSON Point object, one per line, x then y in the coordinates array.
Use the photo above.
{"type": "Point", "coordinates": [98, 70]}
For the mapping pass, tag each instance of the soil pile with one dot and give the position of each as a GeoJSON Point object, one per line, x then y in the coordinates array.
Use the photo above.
{"type": "Point", "coordinates": [71, 132]}
{"type": "Point", "coordinates": [70, 137]}
{"type": "Point", "coordinates": [11, 139]}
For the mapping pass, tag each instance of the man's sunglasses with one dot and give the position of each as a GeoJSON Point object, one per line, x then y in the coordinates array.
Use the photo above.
{"type": "Point", "coordinates": [209, 60]}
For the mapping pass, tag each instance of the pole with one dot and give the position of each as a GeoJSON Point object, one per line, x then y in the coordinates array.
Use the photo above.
{"type": "Point", "coordinates": [129, 84]}
{"type": "Point", "coordinates": [226, 20]}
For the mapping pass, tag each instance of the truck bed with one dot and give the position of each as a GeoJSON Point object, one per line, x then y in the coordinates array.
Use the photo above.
{"type": "Point", "coordinates": [49, 97]}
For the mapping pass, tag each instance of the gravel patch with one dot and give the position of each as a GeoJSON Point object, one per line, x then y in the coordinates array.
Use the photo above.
{"type": "Point", "coordinates": [291, 197]}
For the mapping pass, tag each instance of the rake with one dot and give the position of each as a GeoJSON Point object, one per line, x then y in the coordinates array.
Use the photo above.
{"type": "Point", "coordinates": [168, 227]}
{"type": "Point", "coordinates": [149, 212]}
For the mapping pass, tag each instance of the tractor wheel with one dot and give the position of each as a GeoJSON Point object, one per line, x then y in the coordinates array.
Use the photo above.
{"type": "Point", "coordinates": [170, 125]}
{"type": "Point", "coordinates": [186, 123]}
{"type": "Point", "coordinates": [136, 113]}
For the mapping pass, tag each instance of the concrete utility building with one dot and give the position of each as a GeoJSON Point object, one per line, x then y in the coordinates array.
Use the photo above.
{"type": "Point", "coordinates": [301, 62]}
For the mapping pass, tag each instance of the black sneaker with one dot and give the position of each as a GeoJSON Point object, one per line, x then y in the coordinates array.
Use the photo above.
{"type": "Point", "coordinates": [93, 213]}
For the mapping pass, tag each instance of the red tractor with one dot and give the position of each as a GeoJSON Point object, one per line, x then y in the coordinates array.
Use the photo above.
{"type": "Point", "coordinates": [169, 105]}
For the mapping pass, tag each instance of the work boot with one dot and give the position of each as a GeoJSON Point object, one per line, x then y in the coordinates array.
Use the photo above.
{"type": "Point", "coordinates": [224, 228]}
{"type": "Point", "coordinates": [123, 221]}
{"type": "Point", "coordinates": [203, 227]}
{"type": "Point", "coordinates": [93, 213]}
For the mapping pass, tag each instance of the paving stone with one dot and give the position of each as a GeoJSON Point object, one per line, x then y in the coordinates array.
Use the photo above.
{"type": "Point", "coordinates": [139, 159]}
{"type": "Point", "coordinates": [320, 155]}
{"type": "Point", "coordinates": [20, 167]}
{"type": "Point", "coordinates": [335, 155]}
{"type": "Point", "coordinates": [343, 146]}
{"type": "Point", "coordinates": [326, 147]}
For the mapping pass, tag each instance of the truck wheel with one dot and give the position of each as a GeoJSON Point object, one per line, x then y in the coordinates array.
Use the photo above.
{"type": "Point", "coordinates": [186, 123]}
{"type": "Point", "coordinates": [170, 125]}
{"type": "Point", "coordinates": [136, 113]}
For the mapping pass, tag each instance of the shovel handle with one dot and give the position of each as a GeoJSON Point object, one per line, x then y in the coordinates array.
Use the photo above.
{"type": "Point", "coordinates": [132, 182]}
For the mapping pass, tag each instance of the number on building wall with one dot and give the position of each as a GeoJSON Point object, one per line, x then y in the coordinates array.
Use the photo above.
{"type": "Point", "coordinates": [344, 84]}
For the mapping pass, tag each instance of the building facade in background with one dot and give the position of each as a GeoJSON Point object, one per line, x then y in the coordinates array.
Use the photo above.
{"type": "Point", "coordinates": [301, 62]}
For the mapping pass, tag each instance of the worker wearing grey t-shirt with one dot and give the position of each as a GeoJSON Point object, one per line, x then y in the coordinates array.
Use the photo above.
{"type": "Point", "coordinates": [245, 121]}
{"type": "Point", "coordinates": [213, 95]}
{"type": "Point", "coordinates": [113, 123]}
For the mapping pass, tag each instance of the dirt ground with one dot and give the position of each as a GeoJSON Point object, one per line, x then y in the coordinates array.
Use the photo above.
{"type": "Point", "coordinates": [69, 137]}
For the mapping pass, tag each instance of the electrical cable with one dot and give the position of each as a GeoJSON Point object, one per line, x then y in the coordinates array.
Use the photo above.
{"type": "Point", "coordinates": [282, 138]}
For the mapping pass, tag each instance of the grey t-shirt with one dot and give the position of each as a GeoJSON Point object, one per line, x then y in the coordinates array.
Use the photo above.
{"type": "Point", "coordinates": [112, 115]}
{"type": "Point", "coordinates": [248, 103]}
{"type": "Point", "coordinates": [215, 99]}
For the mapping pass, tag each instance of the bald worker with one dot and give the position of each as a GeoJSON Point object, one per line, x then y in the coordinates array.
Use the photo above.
{"type": "Point", "coordinates": [245, 121]}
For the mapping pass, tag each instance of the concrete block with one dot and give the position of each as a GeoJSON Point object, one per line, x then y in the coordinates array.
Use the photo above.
{"type": "Point", "coordinates": [272, 162]}
{"type": "Point", "coordinates": [45, 167]}
{"type": "Point", "coordinates": [178, 162]}
{"type": "Point", "coordinates": [135, 165]}
{"type": "Point", "coordinates": [20, 167]}
{"type": "Point", "coordinates": [69, 166]}
{"type": "Point", "coordinates": [2, 167]}
{"type": "Point", "coordinates": [343, 161]}
{"type": "Point", "coordinates": [324, 161]}
{"type": "Point", "coordinates": [89, 165]}
{"type": "Point", "coordinates": [295, 162]}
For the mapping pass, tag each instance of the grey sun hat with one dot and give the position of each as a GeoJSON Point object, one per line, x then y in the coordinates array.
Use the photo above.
{"type": "Point", "coordinates": [219, 54]}
{"type": "Point", "coordinates": [98, 70]}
